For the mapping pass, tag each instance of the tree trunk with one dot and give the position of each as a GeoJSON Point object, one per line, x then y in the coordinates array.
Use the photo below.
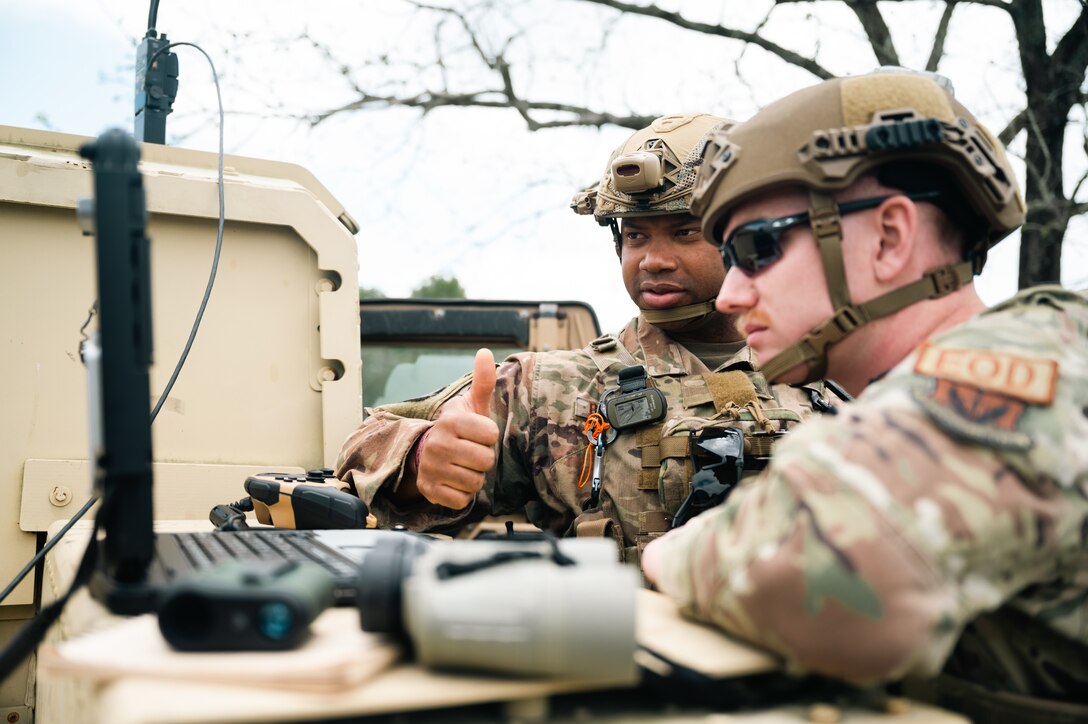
{"type": "Point", "coordinates": [1051, 83]}
{"type": "Point", "coordinates": [1048, 215]}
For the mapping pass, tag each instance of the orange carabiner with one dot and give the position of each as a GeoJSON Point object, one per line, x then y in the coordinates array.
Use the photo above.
{"type": "Point", "coordinates": [594, 427]}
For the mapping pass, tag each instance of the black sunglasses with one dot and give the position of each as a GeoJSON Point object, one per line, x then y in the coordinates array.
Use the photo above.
{"type": "Point", "coordinates": [754, 246]}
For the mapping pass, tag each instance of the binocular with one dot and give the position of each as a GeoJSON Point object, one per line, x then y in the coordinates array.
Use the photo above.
{"type": "Point", "coordinates": [542, 607]}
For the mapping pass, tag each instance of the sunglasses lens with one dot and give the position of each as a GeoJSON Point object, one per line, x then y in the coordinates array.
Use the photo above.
{"type": "Point", "coordinates": [766, 250]}
{"type": "Point", "coordinates": [727, 255]}
{"type": "Point", "coordinates": [751, 247]}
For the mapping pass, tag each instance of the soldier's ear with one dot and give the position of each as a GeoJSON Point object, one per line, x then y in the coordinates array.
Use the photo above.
{"type": "Point", "coordinates": [897, 226]}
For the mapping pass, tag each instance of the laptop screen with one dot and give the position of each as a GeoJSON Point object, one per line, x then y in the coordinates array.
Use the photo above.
{"type": "Point", "coordinates": [122, 457]}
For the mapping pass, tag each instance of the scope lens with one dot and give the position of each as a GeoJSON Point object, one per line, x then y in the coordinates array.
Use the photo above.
{"type": "Point", "coordinates": [186, 620]}
{"type": "Point", "coordinates": [275, 620]}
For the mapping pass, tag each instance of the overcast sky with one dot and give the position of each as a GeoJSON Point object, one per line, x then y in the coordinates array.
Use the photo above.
{"type": "Point", "coordinates": [469, 192]}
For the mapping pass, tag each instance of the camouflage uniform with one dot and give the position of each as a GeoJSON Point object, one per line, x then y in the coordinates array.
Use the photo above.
{"type": "Point", "coordinates": [954, 490]}
{"type": "Point", "coordinates": [540, 404]}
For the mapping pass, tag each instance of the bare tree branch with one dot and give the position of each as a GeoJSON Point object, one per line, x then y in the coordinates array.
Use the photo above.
{"type": "Point", "coordinates": [1070, 57]}
{"type": "Point", "coordinates": [880, 38]}
{"type": "Point", "coordinates": [1002, 4]}
{"type": "Point", "coordinates": [464, 24]}
{"type": "Point", "coordinates": [429, 101]}
{"type": "Point", "coordinates": [1020, 120]}
{"type": "Point", "coordinates": [1017, 124]}
{"type": "Point", "coordinates": [499, 64]}
{"type": "Point", "coordinates": [680, 21]}
{"type": "Point", "coordinates": [940, 36]}
{"type": "Point", "coordinates": [482, 62]}
{"type": "Point", "coordinates": [1084, 177]}
{"type": "Point", "coordinates": [499, 97]}
{"type": "Point", "coordinates": [1072, 52]}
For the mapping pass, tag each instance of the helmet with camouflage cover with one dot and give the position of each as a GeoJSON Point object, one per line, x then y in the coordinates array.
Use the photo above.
{"type": "Point", "coordinates": [908, 131]}
{"type": "Point", "coordinates": [652, 174]}
{"type": "Point", "coordinates": [653, 171]}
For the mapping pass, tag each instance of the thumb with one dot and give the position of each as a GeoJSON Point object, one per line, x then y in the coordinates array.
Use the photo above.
{"type": "Point", "coordinates": [483, 382]}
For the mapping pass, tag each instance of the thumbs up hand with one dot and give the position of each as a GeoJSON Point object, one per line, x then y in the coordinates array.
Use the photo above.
{"type": "Point", "coordinates": [483, 383]}
{"type": "Point", "coordinates": [458, 450]}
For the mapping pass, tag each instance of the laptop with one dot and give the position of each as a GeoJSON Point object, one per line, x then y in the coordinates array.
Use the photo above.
{"type": "Point", "coordinates": [134, 562]}
{"type": "Point", "coordinates": [340, 552]}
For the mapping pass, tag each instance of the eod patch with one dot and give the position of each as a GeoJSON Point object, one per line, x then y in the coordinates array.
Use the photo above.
{"type": "Point", "coordinates": [981, 395]}
{"type": "Point", "coordinates": [1031, 379]}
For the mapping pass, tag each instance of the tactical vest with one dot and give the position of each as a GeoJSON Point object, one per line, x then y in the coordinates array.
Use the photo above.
{"type": "Point", "coordinates": [735, 399]}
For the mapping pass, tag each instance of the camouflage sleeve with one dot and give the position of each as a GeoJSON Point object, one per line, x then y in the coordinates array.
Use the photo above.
{"type": "Point", "coordinates": [373, 458]}
{"type": "Point", "coordinates": [511, 484]}
{"type": "Point", "coordinates": [866, 546]}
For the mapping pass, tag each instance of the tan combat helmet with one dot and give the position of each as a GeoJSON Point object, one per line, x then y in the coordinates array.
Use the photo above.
{"type": "Point", "coordinates": [651, 174]}
{"type": "Point", "coordinates": [904, 127]}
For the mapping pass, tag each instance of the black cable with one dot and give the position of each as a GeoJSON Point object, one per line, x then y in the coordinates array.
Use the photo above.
{"type": "Point", "coordinates": [232, 516]}
{"type": "Point", "coordinates": [34, 631]}
{"type": "Point", "coordinates": [219, 235]}
{"type": "Point", "coordinates": [47, 547]}
{"type": "Point", "coordinates": [152, 17]}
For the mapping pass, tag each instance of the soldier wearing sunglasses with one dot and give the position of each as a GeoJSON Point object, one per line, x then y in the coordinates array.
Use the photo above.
{"type": "Point", "coordinates": [934, 532]}
{"type": "Point", "coordinates": [528, 436]}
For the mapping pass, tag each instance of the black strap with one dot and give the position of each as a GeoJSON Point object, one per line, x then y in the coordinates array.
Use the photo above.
{"type": "Point", "coordinates": [30, 635]}
{"type": "Point", "coordinates": [451, 569]}
{"type": "Point", "coordinates": [983, 704]}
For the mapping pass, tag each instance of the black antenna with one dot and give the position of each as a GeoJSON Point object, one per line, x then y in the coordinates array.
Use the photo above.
{"type": "Point", "coordinates": [156, 82]}
{"type": "Point", "coordinates": [123, 449]}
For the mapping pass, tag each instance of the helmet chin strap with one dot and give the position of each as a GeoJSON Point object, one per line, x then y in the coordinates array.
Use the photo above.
{"type": "Point", "coordinates": [689, 312]}
{"type": "Point", "coordinates": [811, 350]}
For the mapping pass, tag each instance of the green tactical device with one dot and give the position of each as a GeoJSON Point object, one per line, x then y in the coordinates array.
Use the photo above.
{"type": "Point", "coordinates": [248, 606]}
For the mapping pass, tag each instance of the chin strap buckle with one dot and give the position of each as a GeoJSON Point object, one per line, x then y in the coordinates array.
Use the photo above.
{"type": "Point", "coordinates": [846, 320]}
{"type": "Point", "coordinates": [945, 281]}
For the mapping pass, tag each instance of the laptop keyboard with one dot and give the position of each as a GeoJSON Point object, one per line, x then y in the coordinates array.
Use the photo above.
{"type": "Point", "coordinates": [206, 548]}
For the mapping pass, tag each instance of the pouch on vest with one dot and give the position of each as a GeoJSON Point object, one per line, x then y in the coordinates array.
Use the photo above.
{"type": "Point", "coordinates": [688, 451]}
{"type": "Point", "coordinates": [717, 459]}
{"type": "Point", "coordinates": [674, 454]}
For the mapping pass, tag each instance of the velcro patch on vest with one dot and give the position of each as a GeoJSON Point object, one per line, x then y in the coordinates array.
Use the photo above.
{"type": "Point", "coordinates": [648, 479]}
{"type": "Point", "coordinates": [1030, 379]}
{"type": "Point", "coordinates": [727, 387]}
{"type": "Point", "coordinates": [695, 392]}
{"type": "Point", "coordinates": [653, 521]}
{"type": "Point", "coordinates": [974, 414]}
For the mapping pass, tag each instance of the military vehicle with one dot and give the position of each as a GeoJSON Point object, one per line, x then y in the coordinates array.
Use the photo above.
{"type": "Point", "coordinates": [273, 378]}
{"type": "Point", "coordinates": [414, 346]}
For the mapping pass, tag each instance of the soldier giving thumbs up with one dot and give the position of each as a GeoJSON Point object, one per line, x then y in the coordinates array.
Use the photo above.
{"type": "Point", "coordinates": [451, 458]}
